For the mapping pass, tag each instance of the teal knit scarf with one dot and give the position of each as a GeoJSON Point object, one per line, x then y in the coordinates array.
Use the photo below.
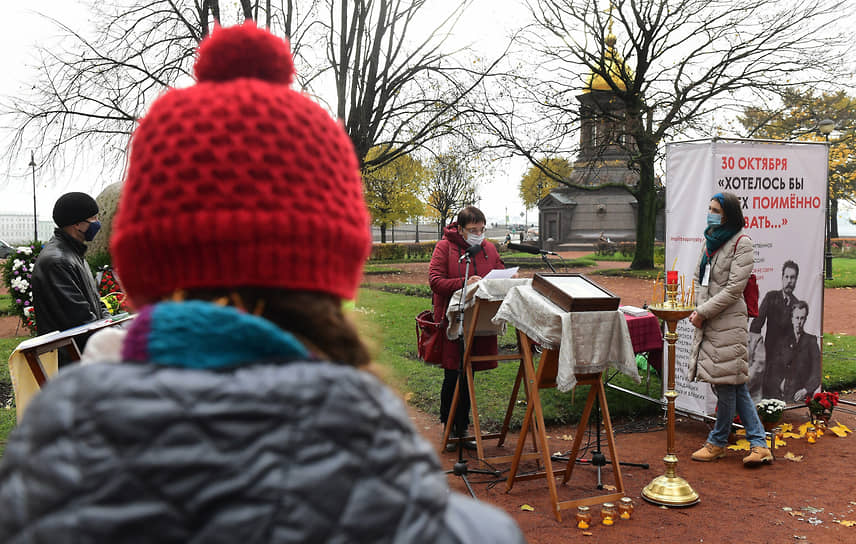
{"type": "Point", "coordinates": [714, 238]}
{"type": "Point", "coordinates": [202, 335]}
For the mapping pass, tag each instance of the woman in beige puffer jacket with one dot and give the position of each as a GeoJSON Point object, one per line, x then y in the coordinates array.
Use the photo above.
{"type": "Point", "coordinates": [719, 352]}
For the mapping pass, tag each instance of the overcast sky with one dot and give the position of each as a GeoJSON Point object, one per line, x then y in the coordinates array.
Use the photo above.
{"type": "Point", "coordinates": [23, 26]}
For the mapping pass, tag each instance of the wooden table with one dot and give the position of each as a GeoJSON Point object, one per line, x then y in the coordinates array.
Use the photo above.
{"type": "Point", "coordinates": [554, 326]}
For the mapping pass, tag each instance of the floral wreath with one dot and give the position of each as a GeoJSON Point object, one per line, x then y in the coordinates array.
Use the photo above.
{"type": "Point", "coordinates": [17, 276]}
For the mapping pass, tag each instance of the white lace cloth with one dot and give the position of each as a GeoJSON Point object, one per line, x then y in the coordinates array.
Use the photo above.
{"type": "Point", "coordinates": [487, 291]}
{"type": "Point", "coordinates": [588, 342]}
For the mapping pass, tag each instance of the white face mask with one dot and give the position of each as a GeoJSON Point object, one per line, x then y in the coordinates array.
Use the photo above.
{"type": "Point", "coordinates": [475, 240]}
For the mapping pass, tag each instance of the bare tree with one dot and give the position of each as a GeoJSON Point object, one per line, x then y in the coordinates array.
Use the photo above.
{"type": "Point", "coordinates": [90, 95]}
{"type": "Point", "coordinates": [395, 89]}
{"type": "Point", "coordinates": [672, 65]}
{"type": "Point", "coordinates": [451, 186]}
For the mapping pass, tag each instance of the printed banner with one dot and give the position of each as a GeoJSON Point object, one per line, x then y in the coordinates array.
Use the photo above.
{"type": "Point", "coordinates": [782, 188]}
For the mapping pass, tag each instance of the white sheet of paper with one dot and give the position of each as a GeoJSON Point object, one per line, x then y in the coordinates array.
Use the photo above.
{"type": "Point", "coordinates": [501, 273]}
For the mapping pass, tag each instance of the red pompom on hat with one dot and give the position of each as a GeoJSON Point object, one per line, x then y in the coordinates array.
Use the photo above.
{"type": "Point", "coordinates": [240, 181]}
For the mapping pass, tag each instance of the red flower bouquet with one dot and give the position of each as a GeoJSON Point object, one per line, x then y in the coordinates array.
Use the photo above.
{"type": "Point", "coordinates": [821, 404]}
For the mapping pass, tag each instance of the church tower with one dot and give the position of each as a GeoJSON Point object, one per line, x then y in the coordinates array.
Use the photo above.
{"type": "Point", "coordinates": [575, 217]}
{"type": "Point", "coordinates": [605, 143]}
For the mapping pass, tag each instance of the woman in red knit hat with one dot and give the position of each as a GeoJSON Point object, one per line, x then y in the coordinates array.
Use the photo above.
{"type": "Point", "coordinates": [243, 410]}
{"type": "Point", "coordinates": [445, 276]}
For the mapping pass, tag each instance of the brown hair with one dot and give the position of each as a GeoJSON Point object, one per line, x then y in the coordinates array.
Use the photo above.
{"type": "Point", "coordinates": [470, 215]}
{"type": "Point", "coordinates": [315, 318]}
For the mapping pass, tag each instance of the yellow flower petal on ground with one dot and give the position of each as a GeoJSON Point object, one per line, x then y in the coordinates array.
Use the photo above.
{"type": "Point", "coordinates": [527, 508]}
{"type": "Point", "coordinates": [740, 432]}
{"type": "Point", "coordinates": [792, 435]}
{"type": "Point", "coordinates": [741, 444]}
{"type": "Point", "coordinates": [847, 523]}
{"type": "Point", "coordinates": [843, 426]}
{"type": "Point", "coordinates": [791, 457]}
{"type": "Point", "coordinates": [786, 427]}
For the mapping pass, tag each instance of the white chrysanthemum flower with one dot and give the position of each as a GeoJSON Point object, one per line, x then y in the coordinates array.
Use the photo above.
{"type": "Point", "coordinates": [25, 250]}
{"type": "Point", "coordinates": [20, 284]}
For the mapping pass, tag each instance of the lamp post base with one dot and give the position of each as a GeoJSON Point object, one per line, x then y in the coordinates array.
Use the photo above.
{"type": "Point", "coordinates": [668, 490]}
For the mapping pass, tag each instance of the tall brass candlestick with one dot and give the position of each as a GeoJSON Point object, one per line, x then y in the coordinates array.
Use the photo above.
{"type": "Point", "coordinates": [670, 489]}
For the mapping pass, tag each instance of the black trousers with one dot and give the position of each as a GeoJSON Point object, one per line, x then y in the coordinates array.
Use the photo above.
{"type": "Point", "coordinates": [462, 411]}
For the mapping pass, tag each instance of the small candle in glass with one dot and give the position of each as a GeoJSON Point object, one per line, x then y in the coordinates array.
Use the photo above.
{"type": "Point", "coordinates": [625, 508]}
{"type": "Point", "coordinates": [583, 517]}
{"type": "Point", "coordinates": [776, 435]}
{"type": "Point", "coordinates": [607, 513]}
{"type": "Point", "coordinates": [671, 276]}
{"type": "Point", "coordinates": [811, 435]}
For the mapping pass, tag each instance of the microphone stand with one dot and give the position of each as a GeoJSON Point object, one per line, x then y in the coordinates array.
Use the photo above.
{"type": "Point", "coordinates": [460, 468]}
{"type": "Point", "coordinates": [548, 263]}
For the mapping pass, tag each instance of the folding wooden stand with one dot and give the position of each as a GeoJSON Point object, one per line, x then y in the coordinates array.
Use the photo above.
{"type": "Point", "coordinates": [483, 308]}
{"type": "Point", "coordinates": [545, 377]}
{"type": "Point", "coordinates": [33, 355]}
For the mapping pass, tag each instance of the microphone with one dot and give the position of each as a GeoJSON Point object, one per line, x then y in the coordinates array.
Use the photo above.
{"type": "Point", "coordinates": [470, 252]}
{"type": "Point", "coordinates": [525, 248]}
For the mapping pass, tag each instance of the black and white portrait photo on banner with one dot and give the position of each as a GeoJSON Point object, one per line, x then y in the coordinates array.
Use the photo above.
{"type": "Point", "coordinates": [782, 190]}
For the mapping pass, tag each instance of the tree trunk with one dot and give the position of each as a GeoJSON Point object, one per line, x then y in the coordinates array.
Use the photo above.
{"type": "Point", "coordinates": [383, 233]}
{"type": "Point", "coordinates": [417, 230]}
{"type": "Point", "coordinates": [646, 197]}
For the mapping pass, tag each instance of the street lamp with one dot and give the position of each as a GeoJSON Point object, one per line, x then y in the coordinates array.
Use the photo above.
{"type": "Point", "coordinates": [35, 218]}
{"type": "Point", "coordinates": [825, 127]}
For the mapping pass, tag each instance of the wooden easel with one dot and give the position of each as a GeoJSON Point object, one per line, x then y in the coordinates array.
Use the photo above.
{"type": "Point", "coordinates": [545, 377]}
{"type": "Point", "coordinates": [34, 361]}
{"type": "Point", "coordinates": [486, 308]}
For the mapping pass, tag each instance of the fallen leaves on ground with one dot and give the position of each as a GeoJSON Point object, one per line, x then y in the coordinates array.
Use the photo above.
{"type": "Point", "coordinates": [527, 508]}
{"type": "Point", "coordinates": [741, 444]}
{"type": "Point", "coordinates": [840, 430]}
{"type": "Point", "coordinates": [791, 457]}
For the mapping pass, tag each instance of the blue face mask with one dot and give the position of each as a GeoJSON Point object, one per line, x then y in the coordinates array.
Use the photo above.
{"type": "Point", "coordinates": [714, 219]}
{"type": "Point", "coordinates": [92, 230]}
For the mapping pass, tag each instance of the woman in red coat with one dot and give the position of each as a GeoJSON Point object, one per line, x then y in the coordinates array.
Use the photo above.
{"type": "Point", "coordinates": [446, 275]}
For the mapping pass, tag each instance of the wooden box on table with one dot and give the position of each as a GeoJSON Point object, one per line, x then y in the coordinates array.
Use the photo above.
{"type": "Point", "coordinates": [574, 293]}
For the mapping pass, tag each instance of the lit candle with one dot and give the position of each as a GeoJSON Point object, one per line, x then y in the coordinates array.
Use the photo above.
{"type": "Point", "coordinates": [672, 277]}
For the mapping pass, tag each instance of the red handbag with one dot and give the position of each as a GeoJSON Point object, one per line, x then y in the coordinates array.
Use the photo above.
{"type": "Point", "coordinates": [750, 292]}
{"type": "Point", "coordinates": [429, 338]}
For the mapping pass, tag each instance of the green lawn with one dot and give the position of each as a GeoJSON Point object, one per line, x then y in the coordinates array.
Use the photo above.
{"type": "Point", "coordinates": [389, 320]}
{"type": "Point", "coordinates": [843, 273]}
{"type": "Point", "coordinates": [6, 306]}
{"type": "Point", "coordinates": [7, 414]}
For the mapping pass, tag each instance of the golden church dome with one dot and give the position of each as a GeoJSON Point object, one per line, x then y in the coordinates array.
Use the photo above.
{"type": "Point", "coordinates": [613, 66]}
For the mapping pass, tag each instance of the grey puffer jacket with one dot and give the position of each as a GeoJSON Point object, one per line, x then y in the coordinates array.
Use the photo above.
{"type": "Point", "coordinates": [264, 453]}
{"type": "Point", "coordinates": [719, 352]}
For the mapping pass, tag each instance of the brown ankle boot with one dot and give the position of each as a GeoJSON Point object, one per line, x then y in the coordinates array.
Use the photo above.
{"type": "Point", "coordinates": [759, 455]}
{"type": "Point", "coordinates": [708, 452]}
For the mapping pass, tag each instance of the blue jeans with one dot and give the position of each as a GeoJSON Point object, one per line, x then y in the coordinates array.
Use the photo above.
{"type": "Point", "coordinates": [729, 398]}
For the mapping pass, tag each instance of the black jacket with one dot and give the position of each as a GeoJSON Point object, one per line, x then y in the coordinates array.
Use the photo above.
{"type": "Point", "coordinates": [64, 291]}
